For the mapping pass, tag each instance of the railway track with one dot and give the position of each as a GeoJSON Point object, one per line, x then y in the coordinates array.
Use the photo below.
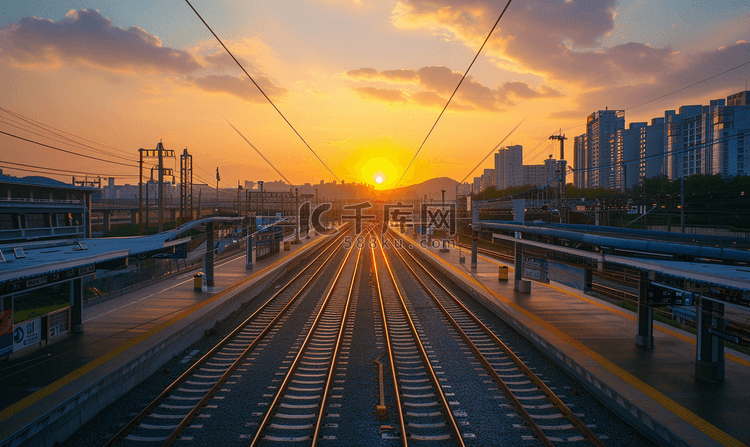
{"type": "Point", "coordinates": [298, 407]}
{"type": "Point", "coordinates": [424, 413]}
{"type": "Point", "coordinates": [166, 417]}
{"type": "Point", "coordinates": [544, 413]}
{"type": "Point", "coordinates": [288, 375]}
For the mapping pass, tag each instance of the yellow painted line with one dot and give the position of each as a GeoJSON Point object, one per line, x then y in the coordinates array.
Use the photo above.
{"type": "Point", "coordinates": [631, 316]}
{"type": "Point", "coordinates": [80, 372]}
{"type": "Point", "coordinates": [688, 416]}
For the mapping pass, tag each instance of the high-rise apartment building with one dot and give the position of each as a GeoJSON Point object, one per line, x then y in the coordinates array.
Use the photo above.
{"type": "Point", "coordinates": [626, 156]}
{"type": "Point", "coordinates": [580, 168]}
{"type": "Point", "coordinates": [488, 178]}
{"type": "Point", "coordinates": [731, 132]}
{"type": "Point", "coordinates": [651, 150]}
{"type": "Point", "coordinates": [687, 141]}
{"type": "Point", "coordinates": [509, 167]}
{"type": "Point", "coordinates": [600, 126]}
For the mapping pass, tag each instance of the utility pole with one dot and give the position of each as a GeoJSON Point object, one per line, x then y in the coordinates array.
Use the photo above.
{"type": "Point", "coordinates": [140, 188]}
{"type": "Point", "coordinates": [260, 183]}
{"type": "Point", "coordinates": [158, 153]}
{"type": "Point", "coordinates": [218, 177]}
{"type": "Point", "coordinates": [239, 199]}
{"type": "Point", "coordinates": [160, 150]}
{"type": "Point", "coordinates": [563, 172]}
{"type": "Point", "coordinates": [186, 186]}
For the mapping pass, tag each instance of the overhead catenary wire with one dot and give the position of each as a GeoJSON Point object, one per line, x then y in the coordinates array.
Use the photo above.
{"type": "Point", "coordinates": [65, 171]}
{"type": "Point", "coordinates": [261, 90]}
{"type": "Point", "coordinates": [453, 94]}
{"type": "Point", "coordinates": [493, 150]}
{"type": "Point", "coordinates": [67, 151]}
{"type": "Point", "coordinates": [59, 133]}
{"type": "Point", "coordinates": [259, 153]}
{"type": "Point", "coordinates": [75, 145]}
{"type": "Point", "coordinates": [687, 86]}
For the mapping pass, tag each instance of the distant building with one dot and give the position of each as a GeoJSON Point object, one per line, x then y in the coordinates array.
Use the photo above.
{"type": "Point", "coordinates": [509, 167]}
{"type": "Point", "coordinates": [580, 157]}
{"type": "Point", "coordinates": [600, 126]}
{"type": "Point", "coordinates": [686, 144]}
{"type": "Point", "coordinates": [36, 208]}
{"type": "Point", "coordinates": [478, 185]}
{"type": "Point", "coordinates": [731, 130]}
{"type": "Point", "coordinates": [626, 157]}
{"type": "Point", "coordinates": [488, 178]}
{"type": "Point", "coordinates": [651, 150]}
{"type": "Point", "coordinates": [534, 175]}
{"type": "Point", "coordinates": [738, 99]}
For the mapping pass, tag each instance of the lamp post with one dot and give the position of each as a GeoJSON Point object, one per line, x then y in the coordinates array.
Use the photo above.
{"type": "Point", "coordinates": [260, 183]}
{"type": "Point", "coordinates": [239, 199]}
{"type": "Point", "coordinates": [444, 249]}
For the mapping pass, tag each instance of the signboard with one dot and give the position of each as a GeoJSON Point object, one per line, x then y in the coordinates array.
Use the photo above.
{"type": "Point", "coordinates": [6, 333]}
{"type": "Point", "coordinates": [658, 296]}
{"type": "Point", "coordinates": [724, 335]}
{"type": "Point", "coordinates": [535, 268]}
{"type": "Point", "coordinates": [27, 334]}
{"type": "Point", "coordinates": [58, 324]}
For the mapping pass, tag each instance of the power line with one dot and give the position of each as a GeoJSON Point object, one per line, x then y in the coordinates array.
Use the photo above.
{"type": "Point", "coordinates": [261, 90]}
{"type": "Point", "coordinates": [454, 92]}
{"type": "Point", "coordinates": [66, 151]}
{"type": "Point", "coordinates": [45, 127]}
{"type": "Point", "coordinates": [688, 86]}
{"type": "Point", "coordinates": [493, 150]}
{"type": "Point", "coordinates": [76, 145]}
{"type": "Point", "coordinates": [534, 151]}
{"type": "Point", "coordinates": [64, 171]}
{"type": "Point", "coordinates": [259, 153]}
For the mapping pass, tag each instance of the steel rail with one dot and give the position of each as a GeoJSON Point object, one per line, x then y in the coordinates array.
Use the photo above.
{"type": "Point", "coordinates": [553, 398]}
{"type": "Point", "coordinates": [298, 358]}
{"type": "Point", "coordinates": [451, 421]}
{"type": "Point", "coordinates": [391, 360]}
{"type": "Point", "coordinates": [206, 357]}
{"type": "Point", "coordinates": [337, 349]}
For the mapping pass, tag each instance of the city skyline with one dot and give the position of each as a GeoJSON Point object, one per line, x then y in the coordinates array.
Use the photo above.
{"type": "Point", "coordinates": [361, 81]}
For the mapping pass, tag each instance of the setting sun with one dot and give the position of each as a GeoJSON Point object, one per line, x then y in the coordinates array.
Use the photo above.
{"type": "Point", "coordinates": [380, 172]}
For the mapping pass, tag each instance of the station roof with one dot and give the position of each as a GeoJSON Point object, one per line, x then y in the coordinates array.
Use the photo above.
{"type": "Point", "coordinates": [35, 180]}
{"type": "Point", "coordinates": [46, 257]}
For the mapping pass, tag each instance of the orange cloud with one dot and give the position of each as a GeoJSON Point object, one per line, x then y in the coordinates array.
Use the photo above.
{"type": "Point", "coordinates": [239, 87]}
{"type": "Point", "coordinates": [380, 94]}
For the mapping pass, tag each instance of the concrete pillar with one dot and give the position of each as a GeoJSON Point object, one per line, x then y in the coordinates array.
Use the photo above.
{"type": "Point", "coordinates": [249, 257]}
{"type": "Point", "coordinates": [133, 214]}
{"type": "Point", "coordinates": [474, 238]}
{"type": "Point", "coordinates": [645, 336]}
{"type": "Point", "coordinates": [208, 259]}
{"type": "Point", "coordinates": [709, 359]}
{"type": "Point", "coordinates": [518, 266]}
{"type": "Point", "coordinates": [173, 214]}
{"type": "Point", "coordinates": [107, 214]}
{"type": "Point", "coordinates": [76, 303]}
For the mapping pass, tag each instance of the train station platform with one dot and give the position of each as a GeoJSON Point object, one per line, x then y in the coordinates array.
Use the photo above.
{"type": "Point", "coordinates": [47, 394]}
{"type": "Point", "coordinates": [595, 341]}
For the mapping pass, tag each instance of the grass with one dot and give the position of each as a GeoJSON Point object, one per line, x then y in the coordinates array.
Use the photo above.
{"type": "Point", "coordinates": [25, 315]}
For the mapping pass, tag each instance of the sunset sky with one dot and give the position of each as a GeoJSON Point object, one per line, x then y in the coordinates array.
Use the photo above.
{"type": "Point", "coordinates": [362, 81]}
